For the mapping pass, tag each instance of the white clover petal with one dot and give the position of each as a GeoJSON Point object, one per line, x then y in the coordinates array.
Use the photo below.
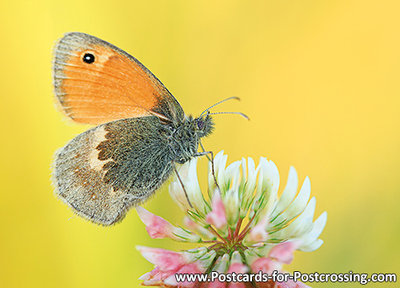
{"type": "Point", "coordinates": [288, 193]}
{"type": "Point", "coordinates": [263, 249]}
{"type": "Point", "coordinates": [301, 225]}
{"type": "Point", "coordinates": [203, 232]}
{"type": "Point", "coordinates": [178, 195]}
{"type": "Point", "coordinates": [312, 246]}
{"type": "Point", "coordinates": [194, 254]}
{"type": "Point", "coordinates": [185, 235]}
{"type": "Point", "coordinates": [219, 167]}
{"type": "Point", "coordinates": [188, 174]}
{"type": "Point", "coordinates": [192, 187]}
{"type": "Point", "coordinates": [251, 176]}
{"type": "Point", "coordinates": [252, 254]}
{"type": "Point", "coordinates": [249, 182]}
{"type": "Point", "coordinates": [232, 176]}
{"type": "Point", "coordinates": [222, 264]}
{"type": "Point", "coordinates": [231, 203]}
{"type": "Point", "coordinates": [207, 259]}
{"type": "Point", "coordinates": [304, 222]}
{"type": "Point", "coordinates": [249, 255]}
{"type": "Point", "coordinates": [191, 180]}
{"type": "Point", "coordinates": [269, 177]}
{"type": "Point", "coordinates": [316, 230]}
{"type": "Point", "coordinates": [273, 170]}
{"type": "Point", "coordinates": [298, 205]}
{"type": "Point", "coordinates": [262, 183]}
{"type": "Point", "coordinates": [267, 189]}
{"type": "Point", "coordinates": [244, 173]}
{"type": "Point", "coordinates": [236, 258]}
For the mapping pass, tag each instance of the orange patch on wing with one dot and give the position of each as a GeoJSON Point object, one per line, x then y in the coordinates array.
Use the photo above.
{"type": "Point", "coordinates": [112, 87]}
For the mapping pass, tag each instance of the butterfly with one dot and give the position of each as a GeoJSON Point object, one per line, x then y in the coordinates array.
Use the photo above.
{"type": "Point", "coordinates": [142, 131]}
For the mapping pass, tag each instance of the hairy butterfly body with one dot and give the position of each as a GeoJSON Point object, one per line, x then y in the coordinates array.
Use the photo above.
{"type": "Point", "coordinates": [142, 130]}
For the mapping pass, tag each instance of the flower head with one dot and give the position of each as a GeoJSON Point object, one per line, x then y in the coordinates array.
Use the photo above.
{"type": "Point", "coordinates": [241, 224]}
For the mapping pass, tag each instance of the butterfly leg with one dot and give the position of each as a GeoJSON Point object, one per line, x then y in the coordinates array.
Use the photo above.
{"type": "Point", "coordinates": [183, 186]}
{"type": "Point", "coordinates": [204, 150]}
{"type": "Point", "coordinates": [211, 160]}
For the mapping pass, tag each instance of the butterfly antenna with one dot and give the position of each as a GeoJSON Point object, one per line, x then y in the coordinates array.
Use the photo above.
{"type": "Point", "coordinates": [222, 101]}
{"type": "Point", "coordinates": [238, 113]}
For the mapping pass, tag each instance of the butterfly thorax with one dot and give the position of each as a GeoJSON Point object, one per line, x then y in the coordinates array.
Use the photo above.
{"type": "Point", "coordinates": [185, 137]}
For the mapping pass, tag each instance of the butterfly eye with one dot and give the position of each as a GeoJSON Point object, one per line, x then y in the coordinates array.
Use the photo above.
{"type": "Point", "coordinates": [88, 58]}
{"type": "Point", "coordinates": [200, 124]}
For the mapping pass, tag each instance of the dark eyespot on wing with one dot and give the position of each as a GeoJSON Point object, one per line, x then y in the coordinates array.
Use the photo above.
{"type": "Point", "coordinates": [88, 58]}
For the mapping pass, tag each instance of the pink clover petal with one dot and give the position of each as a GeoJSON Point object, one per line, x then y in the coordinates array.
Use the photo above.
{"type": "Point", "coordinates": [154, 277]}
{"type": "Point", "coordinates": [165, 260]}
{"type": "Point", "coordinates": [238, 268]}
{"type": "Point", "coordinates": [258, 233]}
{"type": "Point", "coordinates": [291, 284]}
{"type": "Point", "coordinates": [268, 284]}
{"type": "Point", "coordinates": [236, 285]}
{"type": "Point", "coordinates": [217, 216]}
{"type": "Point", "coordinates": [156, 226]}
{"type": "Point", "coordinates": [266, 265]}
{"type": "Point", "coordinates": [203, 232]}
{"type": "Point", "coordinates": [191, 268]}
{"type": "Point", "coordinates": [150, 275]}
{"type": "Point", "coordinates": [190, 223]}
{"type": "Point", "coordinates": [217, 284]}
{"type": "Point", "coordinates": [283, 252]}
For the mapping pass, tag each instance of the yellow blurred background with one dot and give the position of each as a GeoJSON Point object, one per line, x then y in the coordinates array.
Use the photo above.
{"type": "Point", "coordinates": [319, 80]}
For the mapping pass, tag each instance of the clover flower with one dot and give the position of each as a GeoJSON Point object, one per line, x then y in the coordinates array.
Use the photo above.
{"type": "Point", "coordinates": [241, 225]}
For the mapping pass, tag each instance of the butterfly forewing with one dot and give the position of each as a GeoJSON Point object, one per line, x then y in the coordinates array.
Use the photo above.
{"type": "Point", "coordinates": [96, 82]}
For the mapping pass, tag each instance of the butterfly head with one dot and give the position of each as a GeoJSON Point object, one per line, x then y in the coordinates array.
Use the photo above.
{"type": "Point", "coordinates": [204, 125]}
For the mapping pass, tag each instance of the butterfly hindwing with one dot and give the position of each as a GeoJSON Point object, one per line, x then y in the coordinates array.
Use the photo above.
{"type": "Point", "coordinates": [104, 171]}
{"type": "Point", "coordinates": [96, 82]}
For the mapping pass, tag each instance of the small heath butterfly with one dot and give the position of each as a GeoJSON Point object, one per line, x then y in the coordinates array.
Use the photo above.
{"type": "Point", "coordinates": [142, 130]}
